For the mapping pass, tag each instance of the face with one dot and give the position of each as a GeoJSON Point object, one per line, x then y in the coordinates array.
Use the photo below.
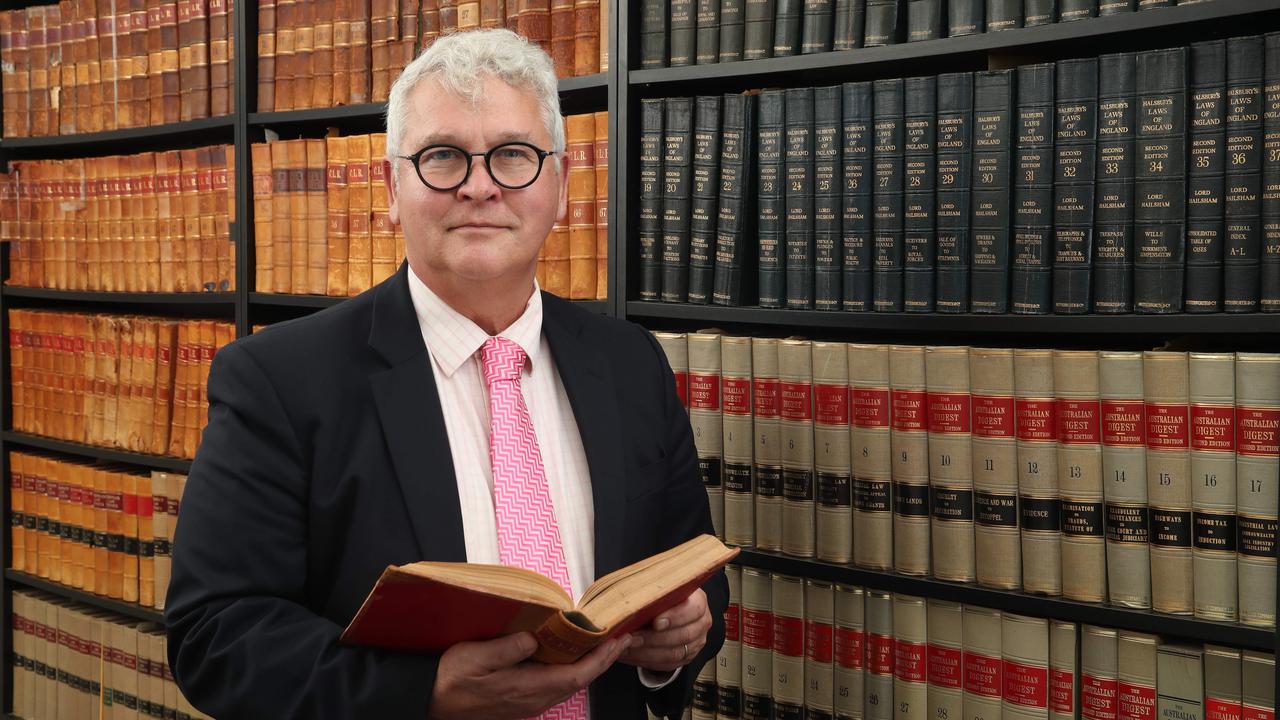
{"type": "Point", "coordinates": [479, 232]}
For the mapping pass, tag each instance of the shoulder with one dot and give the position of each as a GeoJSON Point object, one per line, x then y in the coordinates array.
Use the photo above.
{"type": "Point", "coordinates": [613, 337]}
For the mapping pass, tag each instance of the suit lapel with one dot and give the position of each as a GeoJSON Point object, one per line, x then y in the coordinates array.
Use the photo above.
{"type": "Point", "coordinates": [590, 386]}
{"type": "Point", "coordinates": [413, 424]}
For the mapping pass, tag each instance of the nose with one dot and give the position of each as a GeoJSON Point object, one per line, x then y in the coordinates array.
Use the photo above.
{"type": "Point", "coordinates": [479, 184]}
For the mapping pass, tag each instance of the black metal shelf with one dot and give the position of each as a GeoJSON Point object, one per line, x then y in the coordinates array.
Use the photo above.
{"type": "Point", "coordinates": [1037, 605]}
{"type": "Point", "coordinates": [132, 610]}
{"type": "Point", "coordinates": [155, 302]}
{"type": "Point", "coordinates": [261, 299]}
{"type": "Point", "coordinates": [1136, 30]}
{"type": "Point", "coordinates": [191, 133]}
{"type": "Point", "coordinates": [93, 452]}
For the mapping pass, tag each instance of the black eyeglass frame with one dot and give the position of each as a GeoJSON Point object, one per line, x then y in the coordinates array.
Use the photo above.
{"type": "Point", "coordinates": [542, 157]}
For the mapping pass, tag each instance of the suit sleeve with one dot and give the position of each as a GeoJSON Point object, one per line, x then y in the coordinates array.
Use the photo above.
{"type": "Point", "coordinates": [686, 515]}
{"type": "Point", "coordinates": [242, 640]}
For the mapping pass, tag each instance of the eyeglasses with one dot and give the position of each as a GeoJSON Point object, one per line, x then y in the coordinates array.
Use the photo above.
{"type": "Point", "coordinates": [512, 165]}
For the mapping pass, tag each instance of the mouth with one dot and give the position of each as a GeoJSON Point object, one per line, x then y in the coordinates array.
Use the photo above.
{"type": "Point", "coordinates": [478, 226]}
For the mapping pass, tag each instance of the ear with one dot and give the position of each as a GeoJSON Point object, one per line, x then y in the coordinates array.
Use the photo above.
{"type": "Point", "coordinates": [388, 171]}
{"type": "Point", "coordinates": [564, 187]}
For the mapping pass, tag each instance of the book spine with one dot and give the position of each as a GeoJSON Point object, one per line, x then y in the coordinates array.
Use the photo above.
{"type": "Point", "coordinates": [736, 201]}
{"type": "Point", "coordinates": [1075, 138]}
{"type": "Point", "coordinates": [883, 20]}
{"type": "Point", "coordinates": [704, 694]}
{"type": "Point", "coordinates": [819, 659]}
{"type": "Point", "coordinates": [769, 197]}
{"type": "Point", "coordinates": [653, 34]}
{"type": "Point", "coordinates": [816, 26]}
{"type": "Point", "coordinates": [1222, 681]}
{"type": "Point", "coordinates": [1165, 383]}
{"type": "Point", "coordinates": [651, 195]}
{"type": "Point", "coordinates": [951, 497]}
{"type": "Point", "coordinates": [757, 644]}
{"type": "Point", "coordinates": [1124, 471]}
{"type": "Point", "coordinates": [850, 652]}
{"type": "Point", "coordinates": [1269, 264]}
{"type": "Point", "coordinates": [920, 209]}
{"type": "Point", "coordinates": [1033, 192]}
{"type": "Point", "coordinates": [878, 682]}
{"type": "Point", "coordinates": [728, 666]}
{"type": "Point", "coordinates": [925, 20]}
{"type": "Point", "coordinates": [1116, 7]}
{"type": "Point", "coordinates": [1135, 675]}
{"type": "Point", "coordinates": [1257, 449]}
{"type": "Point", "coordinates": [317, 218]}
{"type": "Point", "coordinates": [786, 28]}
{"type": "Point", "coordinates": [705, 416]}
{"type": "Point", "coordinates": [945, 659]}
{"type": "Point", "coordinates": [871, 460]}
{"type": "Point", "coordinates": [795, 392]}
{"type": "Point", "coordinates": [910, 658]}
{"type": "Point", "coordinates": [855, 227]}
{"type": "Point", "coordinates": [337, 213]}
{"type": "Point", "coordinates": [1205, 177]}
{"type": "Point", "coordinates": [831, 436]}
{"type": "Point", "coordinates": [965, 17]}
{"type": "Point", "coordinates": [850, 24]}
{"type": "Point", "coordinates": [953, 183]}
{"type": "Point", "coordinates": [887, 196]}
{"type": "Point", "coordinates": [1003, 14]}
{"type": "Point", "coordinates": [909, 440]}
{"type": "Point", "coordinates": [675, 346]}
{"type": "Point", "coordinates": [1113, 209]}
{"type": "Point", "coordinates": [1242, 202]}
{"type": "Point", "coordinates": [983, 666]}
{"type": "Point", "coordinates": [758, 29]}
{"type": "Point", "coordinates": [1040, 501]}
{"type": "Point", "coordinates": [1257, 685]}
{"type": "Point", "coordinates": [1039, 12]}
{"type": "Point", "coordinates": [765, 398]}
{"type": "Point", "coordinates": [561, 46]}
{"type": "Point", "coordinates": [600, 141]}
{"type": "Point", "coordinates": [739, 488]}
{"type": "Point", "coordinates": [707, 48]}
{"type": "Point", "coordinates": [359, 213]}
{"type": "Point", "coordinates": [1025, 658]}
{"type": "Point", "coordinates": [1079, 431]}
{"type": "Point", "coordinates": [998, 547]}
{"type": "Point", "coordinates": [1072, 10]}
{"type": "Point", "coordinates": [1160, 181]}
{"type": "Point", "coordinates": [1179, 680]}
{"type": "Point", "coordinates": [992, 156]}
{"type": "Point", "coordinates": [732, 19]}
{"type": "Point", "coordinates": [1213, 485]}
{"type": "Point", "coordinates": [683, 25]}
{"type": "Point", "coordinates": [705, 203]}
{"type": "Point", "coordinates": [798, 192]}
{"type": "Point", "coordinates": [1064, 672]}
{"type": "Point", "coordinates": [788, 684]}
{"type": "Point", "coordinates": [676, 198]}
{"type": "Point", "coordinates": [827, 212]}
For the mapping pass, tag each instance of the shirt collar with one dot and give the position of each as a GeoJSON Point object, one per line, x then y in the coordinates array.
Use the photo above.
{"type": "Point", "coordinates": [452, 338]}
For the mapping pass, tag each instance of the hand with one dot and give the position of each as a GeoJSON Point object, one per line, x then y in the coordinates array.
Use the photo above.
{"type": "Point", "coordinates": [495, 680]}
{"type": "Point", "coordinates": [673, 638]}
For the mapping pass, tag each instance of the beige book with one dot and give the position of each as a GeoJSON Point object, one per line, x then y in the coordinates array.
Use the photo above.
{"type": "Point", "coordinates": [728, 663]}
{"type": "Point", "coordinates": [1165, 382]}
{"type": "Point", "coordinates": [1039, 501]}
{"type": "Point", "coordinates": [909, 440]}
{"type": "Point", "coordinates": [1124, 487]}
{"type": "Point", "coordinates": [21, 653]}
{"type": "Point", "coordinates": [317, 218]}
{"type": "Point", "coordinates": [878, 681]}
{"type": "Point", "coordinates": [676, 347]}
{"type": "Point", "coordinates": [580, 148]}
{"type": "Point", "coordinates": [910, 667]}
{"type": "Point", "coordinates": [704, 693]}
{"type": "Point", "coordinates": [1257, 474]}
{"type": "Point", "coordinates": [871, 460]}
{"type": "Point", "coordinates": [946, 660]}
{"type": "Point", "coordinates": [850, 652]}
{"type": "Point", "coordinates": [1079, 418]}
{"type": "Point", "coordinates": [1024, 643]}
{"type": "Point", "coordinates": [834, 525]}
{"type": "Point", "coordinates": [1136, 676]}
{"type": "Point", "coordinates": [768, 443]}
{"type": "Point", "coordinates": [1099, 679]}
{"type": "Point", "coordinates": [706, 419]}
{"type": "Point", "coordinates": [997, 543]}
{"type": "Point", "coordinates": [124, 644]}
{"type": "Point", "coordinates": [788, 645]}
{"type": "Point", "coordinates": [338, 213]}
{"type": "Point", "coordinates": [795, 393]}
{"type": "Point", "coordinates": [1212, 389]}
{"type": "Point", "coordinates": [757, 643]}
{"type": "Point", "coordinates": [1179, 681]}
{"type": "Point", "coordinates": [739, 494]}
{"type": "Point", "coordinates": [950, 462]}
{"type": "Point", "coordinates": [160, 529]}
{"type": "Point", "coordinates": [1257, 685]}
{"type": "Point", "coordinates": [1222, 683]}
{"type": "Point", "coordinates": [359, 209]}
{"type": "Point", "coordinates": [819, 686]}
{"type": "Point", "coordinates": [1064, 670]}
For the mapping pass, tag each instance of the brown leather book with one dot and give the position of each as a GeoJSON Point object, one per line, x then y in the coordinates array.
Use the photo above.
{"type": "Point", "coordinates": [8, 74]}
{"type": "Point", "coordinates": [360, 255]}
{"type": "Point", "coordinates": [263, 245]}
{"type": "Point", "coordinates": [296, 164]}
{"type": "Point", "coordinates": [601, 122]}
{"type": "Point", "coordinates": [111, 221]}
{"type": "Point", "coordinates": [199, 58]}
{"type": "Point", "coordinates": [580, 136]}
{"type": "Point", "coordinates": [281, 228]}
{"type": "Point", "coordinates": [340, 93]}
{"type": "Point", "coordinates": [360, 60]}
{"type": "Point", "coordinates": [448, 16]}
{"type": "Point", "coordinates": [144, 383]}
{"type": "Point", "coordinates": [168, 216]}
{"type": "Point", "coordinates": [88, 72]}
{"type": "Point", "coordinates": [219, 58]}
{"type": "Point", "coordinates": [38, 51]}
{"type": "Point", "coordinates": [224, 184]}
{"type": "Point", "coordinates": [114, 491]}
{"type": "Point", "coordinates": [181, 384]}
{"type": "Point", "coordinates": [316, 217]}
{"type": "Point", "coordinates": [304, 43]}
{"type": "Point", "coordinates": [224, 251]}
{"type": "Point", "coordinates": [562, 33]}
{"type": "Point", "coordinates": [429, 23]}
{"type": "Point", "coordinates": [154, 49]}
{"type": "Point", "coordinates": [146, 545]}
{"type": "Point", "coordinates": [139, 94]}
{"type": "Point", "coordinates": [493, 13]}
{"type": "Point", "coordinates": [197, 408]}
{"type": "Point", "coordinates": [513, 10]}
{"type": "Point", "coordinates": [187, 259]}
{"type": "Point", "coordinates": [186, 52]}
{"type": "Point", "coordinates": [557, 260]}
{"type": "Point", "coordinates": [266, 55]}
{"type": "Point", "coordinates": [146, 221]}
{"type": "Point", "coordinates": [380, 33]}
{"type": "Point", "coordinates": [586, 37]}
{"type": "Point", "coordinates": [322, 55]}
{"type": "Point", "coordinates": [231, 55]}
{"type": "Point", "coordinates": [204, 270]}
{"type": "Point", "coordinates": [118, 431]}
{"type": "Point", "coordinates": [337, 218]}
{"type": "Point", "coordinates": [162, 407]}
{"type": "Point", "coordinates": [468, 14]}
{"type": "Point", "coordinates": [170, 62]}
{"type": "Point", "coordinates": [381, 231]}
{"type": "Point", "coordinates": [535, 22]}
{"type": "Point", "coordinates": [120, 92]}
{"type": "Point", "coordinates": [286, 11]}
{"type": "Point", "coordinates": [409, 30]}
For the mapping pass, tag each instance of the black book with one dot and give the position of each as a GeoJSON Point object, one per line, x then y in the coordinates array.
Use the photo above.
{"type": "Point", "coordinates": [1270, 264]}
{"type": "Point", "coordinates": [887, 196]}
{"type": "Point", "coordinates": [797, 163]}
{"type": "Point", "coordinates": [1153, 4]}
{"type": "Point", "coordinates": [771, 117]}
{"type": "Point", "coordinates": [965, 17]}
{"type": "Point", "coordinates": [731, 30]}
{"type": "Point", "coordinates": [736, 206]}
{"type": "Point", "coordinates": [708, 46]}
{"type": "Point", "coordinates": [990, 200]}
{"type": "Point", "coordinates": [855, 227]}
{"type": "Point", "coordinates": [758, 30]}
{"type": "Point", "coordinates": [677, 168]}
{"type": "Point", "coordinates": [1160, 203]}
{"type": "Point", "coordinates": [1113, 191]}
{"type": "Point", "coordinates": [653, 34]}
{"type": "Point", "coordinates": [1032, 262]}
{"type": "Point", "coordinates": [920, 107]}
{"type": "Point", "coordinates": [1073, 10]}
{"type": "Point", "coordinates": [1075, 140]}
{"type": "Point", "coordinates": [925, 20]}
{"type": "Point", "coordinates": [1205, 176]}
{"type": "Point", "coordinates": [1243, 201]}
{"type": "Point", "coordinates": [1115, 7]}
{"type": "Point", "coordinates": [850, 24]}
{"type": "Point", "coordinates": [1003, 15]}
{"type": "Point", "coordinates": [883, 19]}
{"type": "Point", "coordinates": [955, 154]}
{"type": "Point", "coordinates": [815, 35]}
{"type": "Point", "coordinates": [650, 225]}
{"type": "Point", "coordinates": [704, 210]}
{"type": "Point", "coordinates": [684, 32]}
{"type": "Point", "coordinates": [786, 28]}
{"type": "Point", "coordinates": [1039, 12]}
{"type": "Point", "coordinates": [827, 211]}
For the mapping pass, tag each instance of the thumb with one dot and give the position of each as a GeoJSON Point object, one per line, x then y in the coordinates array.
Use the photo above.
{"type": "Point", "coordinates": [506, 651]}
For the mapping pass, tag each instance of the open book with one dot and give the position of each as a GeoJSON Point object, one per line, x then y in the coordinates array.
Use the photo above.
{"type": "Point", "coordinates": [429, 606]}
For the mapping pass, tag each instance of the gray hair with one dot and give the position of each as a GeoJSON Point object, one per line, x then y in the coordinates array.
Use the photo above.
{"type": "Point", "coordinates": [458, 61]}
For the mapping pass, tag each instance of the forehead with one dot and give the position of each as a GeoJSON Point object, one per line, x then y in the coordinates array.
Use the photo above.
{"type": "Point", "coordinates": [498, 112]}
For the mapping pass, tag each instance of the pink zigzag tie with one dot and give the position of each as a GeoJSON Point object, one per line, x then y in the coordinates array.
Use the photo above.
{"type": "Point", "coordinates": [527, 533]}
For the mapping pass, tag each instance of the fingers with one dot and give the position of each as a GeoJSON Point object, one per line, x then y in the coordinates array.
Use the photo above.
{"type": "Point", "coordinates": [562, 681]}
{"type": "Point", "coordinates": [504, 651]}
{"type": "Point", "coordinates": [686, 612]}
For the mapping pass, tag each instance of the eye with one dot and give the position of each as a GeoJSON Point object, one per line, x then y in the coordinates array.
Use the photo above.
{"type": "Point", "coordinates": [440, 155]}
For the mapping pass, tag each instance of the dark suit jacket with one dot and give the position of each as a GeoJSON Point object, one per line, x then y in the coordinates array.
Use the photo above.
{"type": "Point", "coordinates": [326, 460]}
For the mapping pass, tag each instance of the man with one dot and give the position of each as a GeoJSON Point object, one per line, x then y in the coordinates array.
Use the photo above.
{"type": "Point", "coordinates": [451, 413]}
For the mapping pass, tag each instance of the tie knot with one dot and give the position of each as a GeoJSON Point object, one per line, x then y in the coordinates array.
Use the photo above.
{"type": "Point", "coordinates": [502, 359]}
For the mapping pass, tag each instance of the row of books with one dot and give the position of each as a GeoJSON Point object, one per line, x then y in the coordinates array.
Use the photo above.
{"type": "Point", "coordinates": [151, 222]}
{"type": "Point", "coordinates": [1127, 182]}
{"type": "Point", "coordinates": [74, 662]}
{"type": "Point", "coordinates": [574, 261]}
{"type": "Point", "coordinates": [98, 528]}
{"type": "Point", "coordinates": [799, 647]}
{"type": "Point", "coordinates": [127, 382]}
{"type": "Point", "coordinates": [340, 52]}
{"type": "Point", "coordinates": [676, 33]}
{"type": "Point", "coordinates": [1146, 479]}
{"type": "Point", "coordinates": [78, 67]}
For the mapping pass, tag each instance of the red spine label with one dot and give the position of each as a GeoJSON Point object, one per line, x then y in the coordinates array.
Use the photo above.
{"type": "Point", "coordinates": [880, 661]}
{"type": "Point", "coordinates": [765, 398]}
{"type": "Point", "coordinates": [1256, 431]}
{"type": "Point", "coordinates": [909, 409]}
{"type": "Point", "coordinates": [909, 661]}
{"type": "Point", "coordinates": [737, 396]}
{"type": "Point", "coordinates": [1167, 426]}
{"type": "Point", "coordinates": [1217, 709]}
{"type": "Point", "coordinates": [682, 387]}
{"type": "Point", "coordinates": [797, 400]}
{"type": "Point", "coordinates": [704, 391]}
{"type": "Point", "coordinates": [788, 636]}
{"type": "Point", "coordinates": [818, 642]}
{"type": "Point", "coordinates": [1036, 419]}
{"type": "Point", "coordinates": [733, 623]}
{"type": "Point", "coordinates": [1257, 713]}
{"type": "Point", "coordinates": [832, 404]}
{"type": "Point", "coordinates": [757, 628]}
{"type": "Point", "coordinates": [992, 416]}
{"type": "Point", "coordinates": [946, 667]}
{"type": "Point", "coordinates": [870, 408]}
{"type": "Point", "coordinates": [1099, 697]}
{"type": "Point", "coordinates": [1026, 685]}
{"type": "Point", "coordinates": [949, 412]}
{"type": "Point", "coordinates": [1123, 423]}
{"type": "Point", "coordinates": [1079, 422]}
{"type": "Point", "coordinates": [849, 648]}
{"type": "Point", "coordinates": [1213, 427]}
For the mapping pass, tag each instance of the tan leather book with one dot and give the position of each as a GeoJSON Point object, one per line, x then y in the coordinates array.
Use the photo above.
{"type": "Point", "coordinates": [38, 88]}
{"type": "Point", "coordinates": [146, 220]}
{"type": "Point", "coordinates": [833, 485]}
{"type": "Point", "coordinates": [186, 42]}
{"type": "Point", "coordinates": [170, 62]}
{"type": "Point", "coordinates": [181, 385]}
{"type": "Point", "coordinates": [129, 536]}
{"type": "Point", "coordinates": [562, 37]}
{"type": "Point", "coordinates": [304, 43]}
{"type": "Point", "coordinates": [8, 73]}
{"type": "Point", "coordinates": [141, 383]}
{"type": "Point", "coordinates": [604, 35]}
{"type": "Point", "coordinates": [409, 13]}
{"type": "Point", "coordinates": [997, 543]}
{"type": "Point", "coordinates": [468, 14]}
{"type": "Point", "coordinates": [601, 139]}
{"type": "Point", "coordinates": [322, 55]}
{"type": "Point", "coordinates": [205, 271]}
{"type": "Point", "coordinates": [557, 259]}
{"type": "Point", "coordinates": [219, 58]}
{"type": "Point", "coordinates": [493, 13]}
{"type": "Point", "coordinates": [448, 16]}
{"type": "Point", "coordinates": [361, 63]}
{"type": "Point", "coordinates": [1213, 485]}
{"type": "Point", "coordinates": [119, 95]}
{"type": "Point", "coordinates": [909, 440]}
{"type": "Point", "coordinates": [586, 37]}
{"type": "Point", "coordinates": [360, 255]}
{"type": "Point", "coordinates": [337, 216]}
{"type": "Point", "coordinates": [150, 378]}
{"type": "Point", "coordinates": [82, 497]}
{"type": "Point", "coordinates": [739, 496]}
{"type": "Point", "coordinates": [1257, 459]}
{"type": "Point", "coordinates": [1179, 680]}
{"type": "Point", "coordinates": [296, 166]}
{"type": "Point", "coordinates": [340, 92]}
{"type": "Point", "coordinates": [162, 406]}
{"type": "Point", "coordinates": [513, 10]}
{"type": "Point", "coordinates": [580, 150]}
{"type": "Point", "coordinates": [535, 22]}
{"type": "Point", "coordinates": [266, 55]}
{"type": "Point", "coordinates": [705, 417]}
{"type": "Point", "coordinates": [950, 431]}
{"type": "Point", "coordinates": [155, 79]}
{"type": "Point", "coordinates": [381, 26]}
{"type": "Point", "coordinates": [263, 199]}
{"type": "Point", "coordinates": [317, 220]}
{"type": "Point", "coordinates": [1222, 682]}
{"type": "Point", "coordinates": [224, 204]}
{"type": "Point", "coordinates": [139, 87]}
{"type": "Point", "coordinates": [1165, 382]}
{"type": "Point", "coordinates": [197, 407]}
{"type": "Point", "coordinates": [113, 498]}
{"type": "Point", "coordinates": [18, 368]}
{"type": "Point", "coordinates": [281, 228]}
{"type": "Point", "coordinates": [200, 58]}
{"type": "Point", "coordinates": [381, 231]}
{"type": "Point", "coordinates": [1040, 522]}
{"type": "Point", "coordinates": [429, 23]}
{"type": "Point", "coordinates": [703, 706]}
{"type": "Point", "coordinates": [187, 257]}
{"type": "Point", "coordinates": [850, 652]}
{"type": "Point", "coordinates": [118, 431]}
{"type": "Point", "coordinates": [83, 353]}
{"type": "Point", "coordinates": [285, 43]}
{"type": "Point", "coordinates": [168, 216]}
{"type": "Point", "coordinates": [1079, 412]}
